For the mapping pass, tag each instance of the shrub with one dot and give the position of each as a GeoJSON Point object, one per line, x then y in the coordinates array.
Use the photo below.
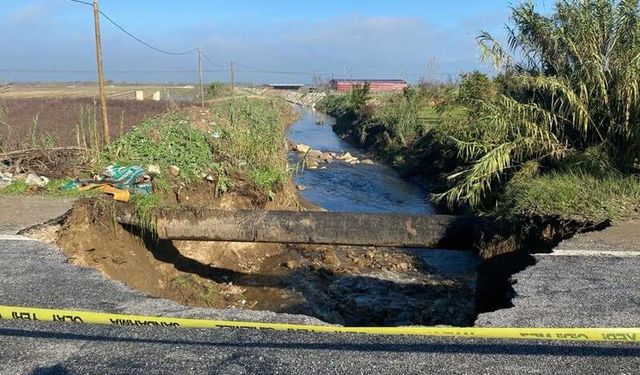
{"type": "Point", "coordinates": [574, 82]}
{"type": "Point", "coordinates": [218, 89]}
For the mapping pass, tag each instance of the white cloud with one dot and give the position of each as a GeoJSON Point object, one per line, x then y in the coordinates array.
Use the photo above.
{"type": "Point", "coordinates": [29, 14]}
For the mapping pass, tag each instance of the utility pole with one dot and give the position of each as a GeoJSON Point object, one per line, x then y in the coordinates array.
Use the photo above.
{"type": "Point", "coordinates": [103, 97]}
{"type": "Point", "coordinates": [200, 71]}
{"type": "Point", "coordinates": [232, 76]}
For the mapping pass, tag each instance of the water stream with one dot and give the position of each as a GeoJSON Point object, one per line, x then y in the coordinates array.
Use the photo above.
{"type": "Point", "coordinates": [366, 188]}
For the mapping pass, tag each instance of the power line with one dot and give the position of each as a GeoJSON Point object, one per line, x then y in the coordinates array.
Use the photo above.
{"type": "Point", "coordinates": [248, 68]}
{"type": "Point", "coordinates": [135, 37]}
{"type": "Point", "coordinates": [211, 61]}
{"type": "Point", "coordinates": [107, 71]}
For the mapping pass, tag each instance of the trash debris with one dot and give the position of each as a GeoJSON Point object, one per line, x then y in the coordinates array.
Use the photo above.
{"type": "Point", "coordinates": [132, 178]}
{"type": "Point", "coordinates": [153, 170]}
{"type": "Point", "coordinates": [119, 195]}
{"type": "Point", "coordinates": [35, 180]}
{"type": "Point", "coordinates": [116, 180]}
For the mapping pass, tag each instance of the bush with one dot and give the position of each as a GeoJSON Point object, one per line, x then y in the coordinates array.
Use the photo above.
{"type": "Point", "coordinates": [360, 95]}
{"type": "Point", "coordinates": [218, 89]}
{"type": "Point", "coordinates": [476, 88]}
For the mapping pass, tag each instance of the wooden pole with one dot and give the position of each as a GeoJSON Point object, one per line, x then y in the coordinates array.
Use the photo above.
{"type": "Point", "coordinates": [200, 71]}
{"type": "Point", "coordinates": [103, 98]}
{"type": "Point", "coordinates": [233, 77]}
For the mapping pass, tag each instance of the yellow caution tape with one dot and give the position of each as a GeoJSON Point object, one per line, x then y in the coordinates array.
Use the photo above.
{"type": "Point", "coordinates": [87, 317]}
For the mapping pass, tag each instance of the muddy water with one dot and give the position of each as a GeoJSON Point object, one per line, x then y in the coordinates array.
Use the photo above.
{"type": "Point", "coordinates": [366, 188]}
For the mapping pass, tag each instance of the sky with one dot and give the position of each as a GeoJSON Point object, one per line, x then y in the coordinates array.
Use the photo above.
{"type": "Point", "coordinates": [53, 40]}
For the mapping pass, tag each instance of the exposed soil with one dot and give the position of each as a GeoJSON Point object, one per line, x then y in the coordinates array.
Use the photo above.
{"type": "Point", "coordinates": [345, 285]}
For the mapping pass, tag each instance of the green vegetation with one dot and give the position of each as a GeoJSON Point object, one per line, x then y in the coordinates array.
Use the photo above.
{"type": "Point", "coordinates": [572, 84]}
{"type": "Point", "coordinates": [249, 135]}
{"type": "Point", "coordinates": [15, 188]}
{"type": "Point", "coordinates": [218, 90]}
{"type": "Point", "coordinates": [574, 194]}
{"type": "Point", "coordinates": [167, 140]}
{"type": "Point", "coordinates": [554, 133]}
{"type": "Point", "coordinates": [54, 188]}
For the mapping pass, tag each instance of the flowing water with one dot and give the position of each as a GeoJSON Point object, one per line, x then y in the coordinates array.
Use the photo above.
{"type": "Point", "coordinates": [365, 188]}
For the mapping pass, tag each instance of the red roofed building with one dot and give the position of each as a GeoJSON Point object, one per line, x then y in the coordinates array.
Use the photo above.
{"type": "Point", "coordinates": [377, 85]}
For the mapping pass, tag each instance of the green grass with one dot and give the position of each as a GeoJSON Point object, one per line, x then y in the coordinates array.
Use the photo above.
{"type": "Point", "coordinates": [145, 210]}
{"type": "Point", "coordinates": [251, 134]}
{"type": "Point", "coordinates": [166, 140]}
{"type": "Point", "coordinates": [53, 188]}
{"type": "Point", "coordinates": [15, 188]}
{"type": "Point", "coordinates": [575, 195]}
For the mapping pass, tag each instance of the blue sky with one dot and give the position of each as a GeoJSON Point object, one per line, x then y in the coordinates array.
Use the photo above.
{"type": "Point", "coordinates": [364, 38]}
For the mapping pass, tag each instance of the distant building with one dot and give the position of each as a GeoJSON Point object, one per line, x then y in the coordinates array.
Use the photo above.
{"type": "Point", "coordinates": [377, 85]}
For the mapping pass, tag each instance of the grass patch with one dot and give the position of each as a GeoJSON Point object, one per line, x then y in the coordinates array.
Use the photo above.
{"type": "Point", "coordinates": [574, 194]}
{"type": "Point", "coordinates": [166, 140]}
{"type": "Point", "coordinates": [250, 134]}
{"type": "Point", "coordinates": [15, 188]}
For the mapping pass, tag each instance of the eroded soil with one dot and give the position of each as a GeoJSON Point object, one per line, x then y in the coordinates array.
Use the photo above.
{"type": "Point", "coordinates": [345, 285]}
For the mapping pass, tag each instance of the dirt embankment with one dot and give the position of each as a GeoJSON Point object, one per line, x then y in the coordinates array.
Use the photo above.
{"type": "Point", "coordinates": [345, 285]}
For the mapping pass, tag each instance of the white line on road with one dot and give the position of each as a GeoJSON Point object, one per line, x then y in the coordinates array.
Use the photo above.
{"type": "Point", "coordinates": [14, 237]}
{"type": "Point", "coordinates": [591, 253]}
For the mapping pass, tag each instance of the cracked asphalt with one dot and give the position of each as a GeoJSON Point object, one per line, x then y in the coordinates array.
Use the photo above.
{"type": "Point", "coordinates": [602, 291]}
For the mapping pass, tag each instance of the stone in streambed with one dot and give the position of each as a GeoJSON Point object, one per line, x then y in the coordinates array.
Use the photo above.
{"type": "Point", "coordinates": [302, 148]}
{"type": "Point", "coordinates": [314, 154]}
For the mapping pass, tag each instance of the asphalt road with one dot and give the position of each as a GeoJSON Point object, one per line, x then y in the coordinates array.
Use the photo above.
{"type": "Point", "coordinates": [36, 274]}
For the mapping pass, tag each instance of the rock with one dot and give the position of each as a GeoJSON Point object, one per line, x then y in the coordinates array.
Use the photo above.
{"type": "Point", "coordinates": [352, 162]}
{"type": "Point", "coordinates": [313, 167]}
{"type": "Point", "coordinates": [35, 180]}
{"type": "Point", "coordinates": [312, 163]}
{"type": "Point", "coordinates": [301, 187]}
{"type": "Point", "coordinates": [346, 156]}
{"type": "Point", "coordinates": [403, 266]}
{"type": "Point", "coordinates": [302, 148]}
{"type": "Point", "coordinates": [314, 154]}
{"type": "Point", "coordinates": [153, 170]}
{"type": "Point", "coordinates": [290, 264]}
{"type": "Point", "coordinates": [174, 170]}
{"type": "Point", "coordinates": [326, 156]}
{"type": "Point", "coordinates": [210, 178]}
{"type": "Point", "coordinates": [367, 161]}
